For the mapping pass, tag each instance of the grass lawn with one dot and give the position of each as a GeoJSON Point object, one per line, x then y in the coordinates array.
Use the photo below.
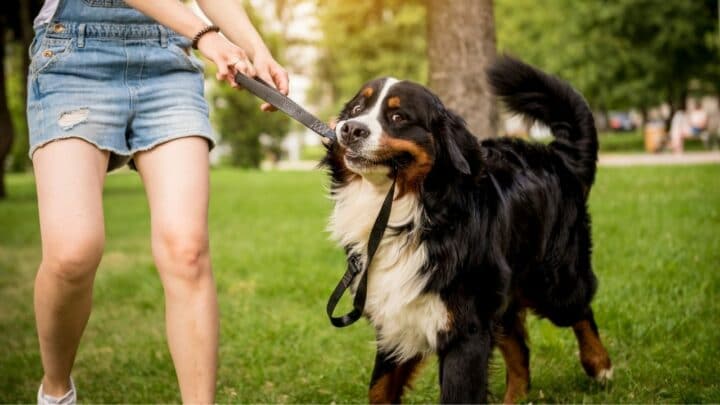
{"type": "Point", "coordinates": [633, 142]}
{"type": "Point", "coordinates": [657, 255]}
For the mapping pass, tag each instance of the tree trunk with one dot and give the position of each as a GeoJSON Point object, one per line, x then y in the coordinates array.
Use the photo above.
{"type": "Point", "coordinates": [6, 125]}
{"type": "Point", "coordinates": [461, 44]}
{"type": "Point", "coordinates": [26, 11]}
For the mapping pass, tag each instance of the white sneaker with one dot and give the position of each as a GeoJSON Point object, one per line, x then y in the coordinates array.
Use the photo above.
{"type": "Point", "coordinates": [70, 397]}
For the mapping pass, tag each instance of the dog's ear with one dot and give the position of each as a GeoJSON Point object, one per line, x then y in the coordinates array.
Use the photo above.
{"type": "Point", "coordinates": [450, 130]}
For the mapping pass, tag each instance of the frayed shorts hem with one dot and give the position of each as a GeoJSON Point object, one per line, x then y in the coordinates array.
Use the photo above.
{"type": "Point", "coordinates": [120, 158]}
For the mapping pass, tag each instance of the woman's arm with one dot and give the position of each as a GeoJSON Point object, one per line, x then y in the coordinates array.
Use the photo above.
{"type": "Point", "coordinates": [236, 26]}
{"type": "Point", "coordinates": [228, 57]}
{"type": "Point", "coordinates": [234, 23]}
{"type": "Point", "coordinates": [172, 14]}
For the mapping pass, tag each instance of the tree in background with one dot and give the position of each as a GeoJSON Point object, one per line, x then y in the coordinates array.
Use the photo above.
{"type": "Point", "coordinates": [622, 54]}
{"type": "Point", "coordinates": [364, 40]}
{"type": "Point", "coordinates": [461, 45]}
{"type": "Point", "coordinates": [237, 116]}
{"type": "Point", "coordinates": [15, 36]}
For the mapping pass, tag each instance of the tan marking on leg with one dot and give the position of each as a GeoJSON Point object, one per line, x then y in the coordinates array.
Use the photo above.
{"type": "Point", "coordinates": [514, 351]}
{"type": "Point", "coordinates": [593, 356]}
{"type": "Point", "coordinates": [390, 387]}
{"type": "Point", "coordinates": [393, 102]}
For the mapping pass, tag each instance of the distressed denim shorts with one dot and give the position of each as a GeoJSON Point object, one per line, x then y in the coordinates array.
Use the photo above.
{"type": "Point", "coordinates": [124, 88]}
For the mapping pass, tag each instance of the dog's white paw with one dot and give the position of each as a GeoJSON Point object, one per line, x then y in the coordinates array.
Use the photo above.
{"type": "Point", "coordinates": [605, 375]}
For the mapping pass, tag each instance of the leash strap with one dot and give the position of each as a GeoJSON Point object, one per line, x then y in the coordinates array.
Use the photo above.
{"type": "Point", "coordinates": [353, 269]}
{"type": "Point", "coordinates": [263, 90]}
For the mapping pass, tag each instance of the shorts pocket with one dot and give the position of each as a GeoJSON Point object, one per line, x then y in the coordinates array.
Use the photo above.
{"type": "Point", "coordinates": [184, 55]}
{"type": "Point", "coordinates": [107, 3]}
{"type": "Point", "coordinates": [48, 51]}
{"type": "Point", "coordinates": [34, 46]}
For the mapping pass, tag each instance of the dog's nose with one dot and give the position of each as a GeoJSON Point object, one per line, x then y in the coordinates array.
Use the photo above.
{"type": "Point", "coordinates": [353, 131]}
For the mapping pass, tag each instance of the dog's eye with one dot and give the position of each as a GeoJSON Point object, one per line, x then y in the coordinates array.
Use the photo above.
{"type": "Point", "coordinates": [397, 118]}
{"type": "Point", "coordinates": [356, 110]}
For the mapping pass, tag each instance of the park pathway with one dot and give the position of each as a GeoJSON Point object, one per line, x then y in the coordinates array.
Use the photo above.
{"type": "Point", "coordinates": [658, 159]}
{"type": "Point", "coordinates": [606, 159]}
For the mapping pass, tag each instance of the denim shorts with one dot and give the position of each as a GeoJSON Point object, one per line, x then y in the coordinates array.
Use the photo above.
{"type": "Point", "coordinates": [124, 88]}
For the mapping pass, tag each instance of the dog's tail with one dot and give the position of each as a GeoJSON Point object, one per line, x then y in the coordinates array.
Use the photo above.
{"type": "Point", "coordinates": [545, 98]}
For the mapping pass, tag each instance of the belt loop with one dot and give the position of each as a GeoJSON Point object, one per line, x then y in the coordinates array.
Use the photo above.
{"type": "Point", "coordinates": [81, 35]}
{"type": "Point", "coordinates": [163, 36]}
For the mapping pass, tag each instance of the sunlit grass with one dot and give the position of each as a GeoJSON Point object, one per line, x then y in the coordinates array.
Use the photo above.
{"type": "Point", "coordinates": [657, 254]}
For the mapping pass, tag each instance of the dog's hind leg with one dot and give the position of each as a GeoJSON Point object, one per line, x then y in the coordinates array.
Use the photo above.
{"type": "Point", "coordinates": [390, 378]}
{"type": "Point", "coordinates": [513, 346]}
{"type": "Point", "coordinates": [593, 355]}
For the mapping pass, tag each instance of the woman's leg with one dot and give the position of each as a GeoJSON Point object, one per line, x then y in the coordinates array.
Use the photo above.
{"type": "Point", "coordinates": [69, 175]}
{"type": "Point", "coordinates": [176, 179]}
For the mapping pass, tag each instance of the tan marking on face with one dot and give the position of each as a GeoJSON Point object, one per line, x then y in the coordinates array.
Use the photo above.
{"type": "Point", "coordinates": [393, 102]}
{"type": "Point", "coordinates": [368, 92]}
{"type": "Point", "coordinates": [410, 177]}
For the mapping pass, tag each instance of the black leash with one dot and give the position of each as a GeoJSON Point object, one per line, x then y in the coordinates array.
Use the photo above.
{"type": "Point", "coordinates": [354, 269]}
{"type": "Point", "coordinates": [263, 90]}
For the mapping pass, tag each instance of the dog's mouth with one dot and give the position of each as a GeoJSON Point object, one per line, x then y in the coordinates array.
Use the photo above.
{"type": "Point", "coordinates": [358, 160]}
{"type": "Point", "coordinates": [361, 162]}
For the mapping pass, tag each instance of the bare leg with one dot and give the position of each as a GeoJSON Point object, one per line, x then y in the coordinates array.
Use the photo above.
{"type": "Point", "coordinates": [176, 179]}
{"type": "Point", "coordinates": [69, 177]}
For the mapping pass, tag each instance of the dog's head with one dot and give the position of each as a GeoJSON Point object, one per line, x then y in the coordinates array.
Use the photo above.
{"type": "Point", "coordinates": [400, 127]}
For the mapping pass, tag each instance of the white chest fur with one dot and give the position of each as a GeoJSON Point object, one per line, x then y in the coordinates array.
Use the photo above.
{"type": "Point", "coordinates": [407, 320]}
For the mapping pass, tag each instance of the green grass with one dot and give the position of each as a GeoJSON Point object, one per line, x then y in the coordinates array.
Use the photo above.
{"type": "Point", "coordinates": [657, 255]}
{"type": "Point", "coordinates": [314, 152]}
{"type": "Point", "coordinates": [633, 142]}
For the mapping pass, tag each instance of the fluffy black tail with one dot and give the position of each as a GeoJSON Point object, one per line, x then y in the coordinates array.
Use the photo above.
{"type": "Point", "coordinates": [539, 96]}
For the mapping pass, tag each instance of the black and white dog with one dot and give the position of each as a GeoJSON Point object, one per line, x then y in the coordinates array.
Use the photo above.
{"type": "Point", "coordinates": [479, 233]}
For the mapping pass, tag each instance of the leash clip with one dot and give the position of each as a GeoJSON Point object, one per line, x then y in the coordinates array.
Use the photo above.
{"type": "Point", "coordinates": [354, 264]}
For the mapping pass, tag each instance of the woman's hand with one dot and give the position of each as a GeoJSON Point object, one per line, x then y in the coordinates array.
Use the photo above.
{"type": "Point", "coordinates": [269, 70]}
{"type": "Point", "coordinates": [235, 24]}
{"type": "Point", "coordinates": [229, 58]}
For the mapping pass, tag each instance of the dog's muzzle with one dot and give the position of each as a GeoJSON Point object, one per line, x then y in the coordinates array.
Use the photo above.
{"type": "Point", "coordinates": [353, 133]}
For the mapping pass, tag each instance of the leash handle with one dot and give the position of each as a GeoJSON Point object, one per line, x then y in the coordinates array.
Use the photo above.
{"type": "Point", "coordinates": [376, 234]}
{"type": "Point", "coordinates": [268, 93]}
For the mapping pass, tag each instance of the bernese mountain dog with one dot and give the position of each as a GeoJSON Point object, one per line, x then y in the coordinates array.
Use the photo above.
{"type": "Point", "coordinates": [480, 231]}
